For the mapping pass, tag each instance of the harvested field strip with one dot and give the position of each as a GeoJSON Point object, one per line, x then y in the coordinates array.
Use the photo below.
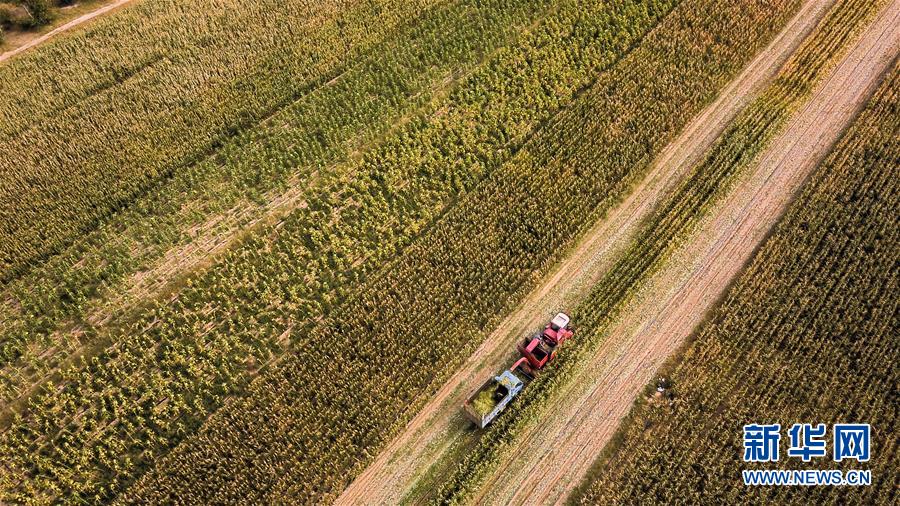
{"type": "Point", "coordinates": [627, 117]}
{"type": "Point", "coordinates": [662, 234]}
{"type": "Point", "coordinates": [817, 298]}
{"type": "Point", "coordinates": [169, 370]}
{"type": "Point", "coordinates": [40, 308]}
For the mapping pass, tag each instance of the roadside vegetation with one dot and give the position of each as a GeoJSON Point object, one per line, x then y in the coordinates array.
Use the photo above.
{"type": "Point", "coordinates": [664, 231]}
{"type": "Point", "coordinates": [26, 14]}
{"type": "Point", "coordinates": [807, 334]}
{"type": "Point", "coordinates": [384, 351]}
{"type": "Point", "coordinates": [163, 374]}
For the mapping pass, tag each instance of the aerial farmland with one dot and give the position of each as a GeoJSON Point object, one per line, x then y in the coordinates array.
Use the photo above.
{"type": "Point", "coordinates": [379, 252]}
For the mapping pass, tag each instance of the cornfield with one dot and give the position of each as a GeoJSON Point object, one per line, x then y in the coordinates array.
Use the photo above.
{"type": "Point", "coordinates": [434, 149]}
{"type": "Point", "coordinates": [293, 143]}
{"type": "Point", "coordinates": [72, 152]}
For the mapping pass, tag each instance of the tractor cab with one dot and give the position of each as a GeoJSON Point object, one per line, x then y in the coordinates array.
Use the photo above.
{"type": "Point", "coordinates": [558, 329]}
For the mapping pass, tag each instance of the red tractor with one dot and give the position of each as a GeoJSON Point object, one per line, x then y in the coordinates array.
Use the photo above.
{"type": "Point", "coordinates": [497, 392]}
{"type": "Point", "coordinates": [540, 349]}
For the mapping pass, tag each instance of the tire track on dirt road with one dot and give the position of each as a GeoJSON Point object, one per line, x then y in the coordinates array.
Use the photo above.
{"type": "Point", "coordinates": [432, 432]}
{"type": "Point", "coordinates": [586, 414]}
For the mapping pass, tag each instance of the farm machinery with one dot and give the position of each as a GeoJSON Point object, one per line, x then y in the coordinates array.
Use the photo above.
{"type": "Point", "coordinates": [536, 351]}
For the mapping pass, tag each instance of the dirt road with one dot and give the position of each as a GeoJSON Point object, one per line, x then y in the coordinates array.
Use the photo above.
{"type": "Point", "coordinates": [435, 430]}
{"type": "Point", "coordinates": [63, 28]}
{"type": "Point", "coordinates": [676, 300]}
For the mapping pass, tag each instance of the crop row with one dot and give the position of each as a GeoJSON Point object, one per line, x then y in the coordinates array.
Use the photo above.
{"type": "Point", "coordinates": [311, 422]}
{"type": "Point", "coordinates": [92, 120]}
{"type": "Point", "coordinates": [165, 373]}
{"type": "Point", "coordinates": [296, 144]}
{"type": "Point", "coordinates": [664, 231]}
{"type": "Point", "coordinates": [807, 334]}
